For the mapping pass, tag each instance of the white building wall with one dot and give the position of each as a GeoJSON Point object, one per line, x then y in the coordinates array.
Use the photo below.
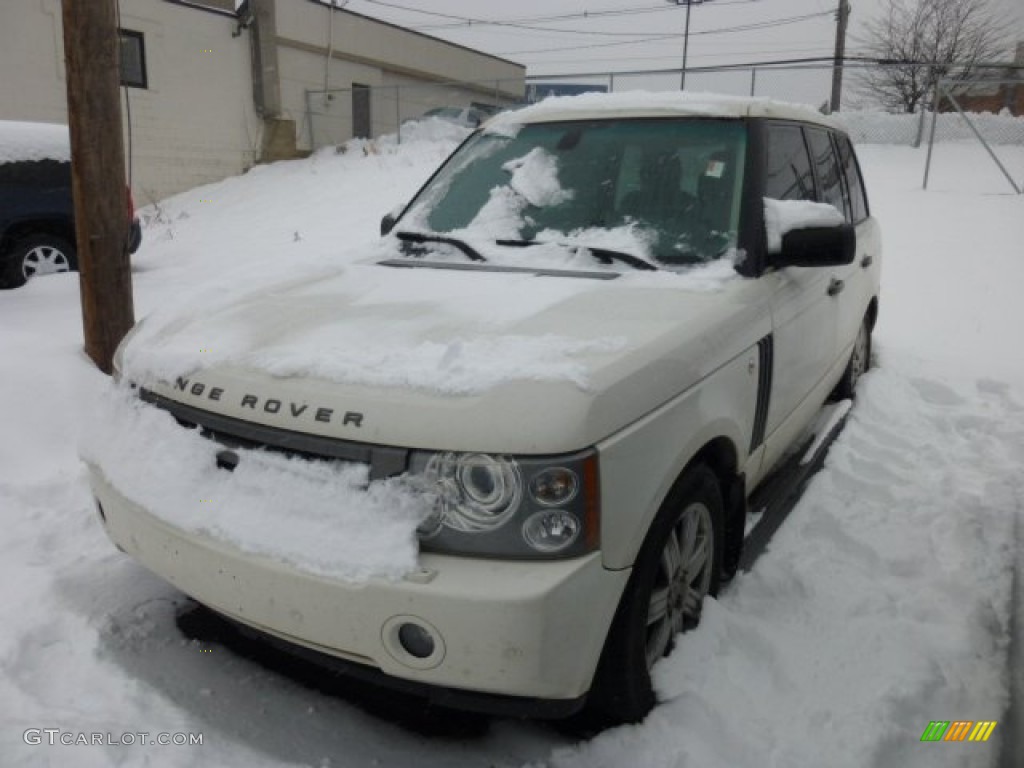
{"type": "Point", "coordinates": [195, 122]}
{"type": "Point", "coordinates": [330, 117]}
{"type": "Point", "coordinates": [367, 52]}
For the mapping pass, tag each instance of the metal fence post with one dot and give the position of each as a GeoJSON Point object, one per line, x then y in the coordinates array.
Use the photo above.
{"type": "Point", "coordinates": [753, 81]}
{"type": "Point", "coordinates": [984, 143]}
{"type": "Point", "coordinates": [924, 109]}
{"type": "Point", "coordinates": [931, 134]}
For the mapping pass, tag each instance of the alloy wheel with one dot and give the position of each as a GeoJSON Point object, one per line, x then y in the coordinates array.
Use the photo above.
{"type": "Point", "coordinates": [44, 260]}
{"type": "Point", "coordinates": [682, 581]}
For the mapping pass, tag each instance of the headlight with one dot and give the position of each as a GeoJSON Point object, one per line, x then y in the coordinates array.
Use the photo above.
{"type": "Point", "coordinates": [477, 492]}
{"type": "Point", "coordinates": [503, 506]}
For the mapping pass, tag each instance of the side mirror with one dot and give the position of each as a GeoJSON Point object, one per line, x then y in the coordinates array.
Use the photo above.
{"type": "Point", "coordinates": [390, 219]}
{"type": "Point", "coordinates": [817, 247]}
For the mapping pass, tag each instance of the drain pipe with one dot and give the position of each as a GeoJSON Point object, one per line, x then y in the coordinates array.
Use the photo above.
{"type": "Point", "coordinates": [330, 50]}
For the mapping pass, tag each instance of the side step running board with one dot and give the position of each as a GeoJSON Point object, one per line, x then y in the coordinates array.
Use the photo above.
{"type": "Point", "coordinates": [772, 502]}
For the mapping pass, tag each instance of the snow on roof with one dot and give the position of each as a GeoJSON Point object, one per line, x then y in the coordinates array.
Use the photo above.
{"type": "Point", "coordinates": [650, 104]}
{"type": "Point", "coordinates": [33, 141]}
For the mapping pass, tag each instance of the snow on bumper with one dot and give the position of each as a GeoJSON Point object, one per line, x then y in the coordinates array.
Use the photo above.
{"type": "Point", "coordinates": [529, 629]}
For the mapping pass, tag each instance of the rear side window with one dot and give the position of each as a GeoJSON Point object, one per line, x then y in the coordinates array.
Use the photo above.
{"type": "Point", "coordinates": [789, 175]}
{"type": "Point", "coordinates": [858, 201]}
{"type": "Point", "coordinates": [829, 176]}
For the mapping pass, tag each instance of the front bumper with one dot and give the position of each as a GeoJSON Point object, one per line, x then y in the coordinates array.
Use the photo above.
{"type": "Point", "coordinates": [533, 630]}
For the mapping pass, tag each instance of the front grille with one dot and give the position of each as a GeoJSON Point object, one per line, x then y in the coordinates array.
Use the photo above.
{"type": "Point", "coordinates": [384, 461]}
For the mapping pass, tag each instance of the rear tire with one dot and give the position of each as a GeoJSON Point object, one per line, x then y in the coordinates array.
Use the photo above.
{"type": "Point", "coordinates": [679, 564]}
{"type": "Point", "coordinates": [860, 361]}
{"type": "Point", "coordinates": [35, 255]}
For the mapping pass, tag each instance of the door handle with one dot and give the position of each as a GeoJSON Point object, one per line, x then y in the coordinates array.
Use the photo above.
{"type": "Point", "coordinates": [835, 286]}
{"type": "Point", "coordinates": [867, 261]}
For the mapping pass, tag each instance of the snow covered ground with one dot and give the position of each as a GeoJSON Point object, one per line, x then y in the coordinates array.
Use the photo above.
{"type": "Point", "coordinates": [883, 603]}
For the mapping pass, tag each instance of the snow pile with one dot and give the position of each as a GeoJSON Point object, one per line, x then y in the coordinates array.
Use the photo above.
{"type": "Point", "coordinates": [883, 603]}
{"type": "Point", "coordinates": [783, 216]}
{"type": "Point", "coordinates": [322, 517]}
{"type": "Point", "coordinates": [33, 141]}
{"type": "Point", "coordinates": [426, 129]}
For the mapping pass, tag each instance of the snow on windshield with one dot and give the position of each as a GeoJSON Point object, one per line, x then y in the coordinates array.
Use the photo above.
{"type": "Point", "coordinates": [535, 178]}
{"type": "Point", "coordinates": [661, 191]}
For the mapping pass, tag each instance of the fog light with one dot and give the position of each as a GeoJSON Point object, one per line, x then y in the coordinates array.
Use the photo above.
{"type": "Point", "coordinates": [551, 531]}
{"type": "Point", "coordinates": [415, 640]}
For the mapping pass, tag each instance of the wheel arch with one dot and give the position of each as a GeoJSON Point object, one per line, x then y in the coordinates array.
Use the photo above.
{"type": "Point", "coordinates": [871, 315]}
{"type": "Point", "coordinates": [56, 226]}
{"type": "Point", "coordinates": [626, 697]}
{"type": "Point", "coordinates": [720, 456]}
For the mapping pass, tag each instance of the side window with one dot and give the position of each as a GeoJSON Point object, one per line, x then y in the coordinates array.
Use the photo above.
{"type": "Point", "coordinates": [789, 175]}
{"type": "Point", "coordinates": [829, 177]}
{"type": "Point", "coordinates": [858, 201]}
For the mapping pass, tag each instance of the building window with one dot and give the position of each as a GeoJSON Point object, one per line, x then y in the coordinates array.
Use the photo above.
{"type": "Point", "coordinates": [133, 58]}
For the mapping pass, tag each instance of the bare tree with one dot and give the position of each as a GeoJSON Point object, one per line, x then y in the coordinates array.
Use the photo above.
{"type": "Point", "coordinates": [925, 40]}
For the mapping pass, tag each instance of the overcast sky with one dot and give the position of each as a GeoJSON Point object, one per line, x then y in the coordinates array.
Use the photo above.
{"type": "Point", "coordinates": [775, 29]}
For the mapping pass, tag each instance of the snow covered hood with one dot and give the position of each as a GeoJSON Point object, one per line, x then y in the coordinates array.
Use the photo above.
{"type": "Point", "coordinates": [453, 360]}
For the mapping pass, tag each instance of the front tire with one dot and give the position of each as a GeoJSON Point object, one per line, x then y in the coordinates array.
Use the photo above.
{"type": "Point", "coordinates": [37, 255]}
{"type": "Point", "coordinates": [679, 564]}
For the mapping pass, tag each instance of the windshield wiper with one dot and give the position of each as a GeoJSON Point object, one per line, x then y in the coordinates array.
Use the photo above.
{"type": "Point", "coordinates": [604, 255]}
{"type": "Point", "coordinates": [423, 237]}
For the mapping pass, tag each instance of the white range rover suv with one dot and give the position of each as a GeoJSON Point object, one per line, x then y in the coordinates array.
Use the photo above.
{"type": "Point", "coordinates": [697, 275]}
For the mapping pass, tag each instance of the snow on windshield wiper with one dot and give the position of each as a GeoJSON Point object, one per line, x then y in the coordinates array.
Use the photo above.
{"type": "Point", "coordinates": [604, 255]}
{"type": "Point", "coordinates": [425, 237]}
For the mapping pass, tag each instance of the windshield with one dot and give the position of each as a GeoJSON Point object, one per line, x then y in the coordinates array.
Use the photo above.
{"type": "Point", "coordinates": [661, 189]}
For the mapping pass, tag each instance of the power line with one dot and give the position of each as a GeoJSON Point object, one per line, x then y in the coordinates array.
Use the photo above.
{"type": "Point", "coordinates": [469, 21]}
{"type": "Point", "coordinates": [808, 63]}
{"type": "Point", "coordinates": [586, 15]}
{"type": "Point", "coordinates": [525, 23]}
{"type": "Point", "coordinates": [788, 49]}
{"type": "Point", "coordinates": [674, 36]}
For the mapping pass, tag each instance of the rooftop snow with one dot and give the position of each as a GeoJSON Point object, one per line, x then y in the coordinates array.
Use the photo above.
{"type": "Point", "coordinates": [651, 104]}
{"type": "Point", "coordinates": [33, 141]}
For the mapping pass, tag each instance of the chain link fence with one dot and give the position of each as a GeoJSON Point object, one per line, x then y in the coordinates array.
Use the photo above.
{"type": "Point", "coordinates": [335, 116]}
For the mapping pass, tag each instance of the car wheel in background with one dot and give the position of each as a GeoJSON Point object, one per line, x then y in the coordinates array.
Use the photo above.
{"type": "Point", "coordinates": [34, 256]}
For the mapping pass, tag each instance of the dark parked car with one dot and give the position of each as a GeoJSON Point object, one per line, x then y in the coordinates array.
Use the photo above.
{"type": "Point", "coordinates": [37, 223]}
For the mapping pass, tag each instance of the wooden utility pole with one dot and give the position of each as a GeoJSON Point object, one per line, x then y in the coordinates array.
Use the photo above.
{"type": "Point", "coordinates": [842, 17]}
{"type": "Point", "coordinates": [92, 56]}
